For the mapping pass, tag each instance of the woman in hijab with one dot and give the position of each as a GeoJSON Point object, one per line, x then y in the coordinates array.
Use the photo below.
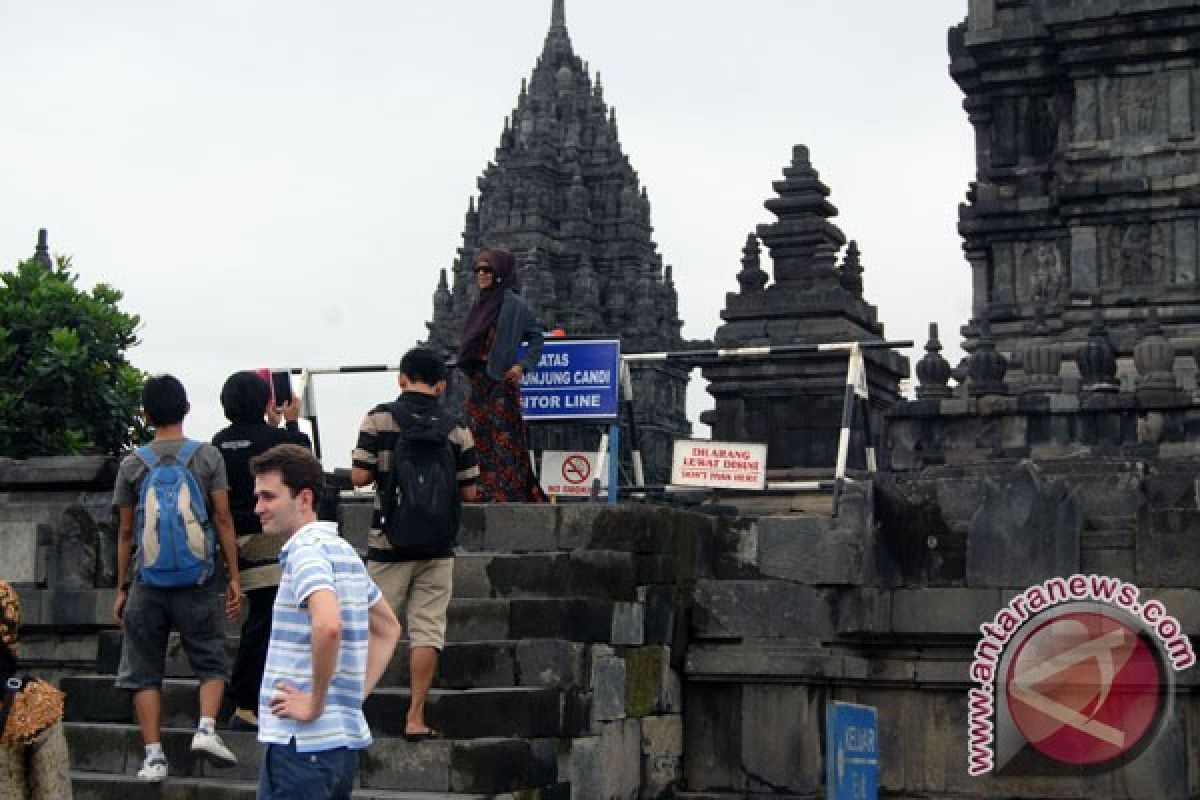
{"type": "Point", "coordinates": [496, 325]}
{"type": "Point", "coordinates": [34, 764]}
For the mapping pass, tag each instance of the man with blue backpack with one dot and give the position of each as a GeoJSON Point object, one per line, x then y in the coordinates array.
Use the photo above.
{"type": "Point", "coordinates": [172, 497]}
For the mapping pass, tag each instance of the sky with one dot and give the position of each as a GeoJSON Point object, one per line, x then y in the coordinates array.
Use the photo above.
{"type": "Point", "coordinates": [277, 182]}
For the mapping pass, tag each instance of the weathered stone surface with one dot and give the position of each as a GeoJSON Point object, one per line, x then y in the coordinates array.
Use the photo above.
{"type": "Point", "coordinates": [550, 662]}
{"type": "Point", "coordinates": [520, 528]}
{"type": "Point", "coordinates": [751, 661]}
{"type": "Point", "coordinates": [397, 764]}
{"type": "Point", "coordinates": [712, 736]}
{"type": "Point", "coordinates": [791, 550]}
{"type": "Point", "coordinates": [608, 685]}
{"type": "Point", "coordinates": [651, 686]}
{"type": "Point", "coordinates": [58, 472]}
{"type": "Point", "coordinates": [943, 611]}
{"type": "Point", "coordinates": [760, 609]}
{"type": "Point", "coordinates": [781, 738]}
{"type": "Point", "coordinates": [22, 562]}
{"type": "Point", "coordinates": [1026, 530]}
{"type": "Point", "coordinates": [662, 753]}
{"type": "Point", "coordinates": [499, 766]}
{"type": "Point", "coordinates": [608, 766]}
{"type": "Point", "coordinates": [628, 626]}
{"type": "Point", "coordinates": [1168, 547]}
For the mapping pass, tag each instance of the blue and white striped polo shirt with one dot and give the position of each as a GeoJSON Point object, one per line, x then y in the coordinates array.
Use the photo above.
{"type": "Point", "coordinates": [317, 558]}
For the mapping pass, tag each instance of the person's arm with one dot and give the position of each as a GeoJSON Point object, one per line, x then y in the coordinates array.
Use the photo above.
{"type": "Point", "coordinates": [383, 632]}
{"type": "Point", "coordinates": [466, 463]}
{"type": "Point", "coordinates": [365, 457]}
{"type": "Point", "coordinates": [532, 334]}
{"type": "Point", "coordinates": [291, 701]}
{"type": "Point", "coordinates": [223, 520]}
{"type": "Point", "coordinates": [124, 557]}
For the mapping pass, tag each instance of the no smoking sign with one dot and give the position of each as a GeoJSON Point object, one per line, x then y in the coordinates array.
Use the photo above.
{"type": "Point", "coordinates": [570, 473]}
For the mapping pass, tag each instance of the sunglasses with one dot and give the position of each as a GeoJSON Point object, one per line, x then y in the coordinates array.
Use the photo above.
{"type": "Point", "coordinates": [485, 271]}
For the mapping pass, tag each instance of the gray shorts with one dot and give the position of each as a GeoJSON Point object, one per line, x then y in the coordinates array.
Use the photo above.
{"type": "Point", "coordinates": [151, 614]}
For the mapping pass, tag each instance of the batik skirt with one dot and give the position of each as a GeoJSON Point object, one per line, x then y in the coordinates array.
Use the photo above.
{"type": "Point", "coordinates": [493, 411]}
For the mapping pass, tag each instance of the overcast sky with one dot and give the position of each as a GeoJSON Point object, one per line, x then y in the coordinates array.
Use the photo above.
{"type": "Point", "coordinates": [277, 182]}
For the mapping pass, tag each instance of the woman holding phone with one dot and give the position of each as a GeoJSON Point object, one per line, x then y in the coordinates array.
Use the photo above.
{"type": "Point", "coordinates": [496, 326]}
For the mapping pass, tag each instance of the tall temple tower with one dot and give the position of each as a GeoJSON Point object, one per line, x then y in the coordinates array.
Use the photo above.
{"type": "Point", "coordinates": [563, 197]}
{"type": "Point", "coordinates": [1088, 160]}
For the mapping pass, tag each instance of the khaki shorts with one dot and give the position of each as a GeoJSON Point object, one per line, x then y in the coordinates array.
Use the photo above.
{"type": "Point", "coordinates": [419, 591]}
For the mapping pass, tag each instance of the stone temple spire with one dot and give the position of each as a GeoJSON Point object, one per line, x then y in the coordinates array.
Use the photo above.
{"type": "Point", "coordinates": [41, 253]}
{"type": "Point", "coordinates": [563, 196]}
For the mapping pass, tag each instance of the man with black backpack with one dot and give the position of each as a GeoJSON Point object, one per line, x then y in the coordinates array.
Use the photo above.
{"type": "Point", "coordinates": [169, 495]}
{"type": "Point", "coordinates": [423, 464]}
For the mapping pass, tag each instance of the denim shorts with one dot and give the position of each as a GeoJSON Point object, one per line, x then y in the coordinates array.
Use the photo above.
{"type": "Point", "coordinates": [289, 775]}
{"type": "Point", "coordinates": [197, 613]}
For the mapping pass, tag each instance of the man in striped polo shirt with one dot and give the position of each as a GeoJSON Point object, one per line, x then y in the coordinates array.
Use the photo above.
{"type": "Point", "coordinates": [332, 636]}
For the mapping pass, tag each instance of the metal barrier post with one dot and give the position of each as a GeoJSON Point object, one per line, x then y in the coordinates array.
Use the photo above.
{"type": "Point", "coordinates": [614, 455]}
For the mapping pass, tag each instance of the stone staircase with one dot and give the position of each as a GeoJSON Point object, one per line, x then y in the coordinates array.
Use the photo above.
{"type": "Point", "coordinates": [556, 680]}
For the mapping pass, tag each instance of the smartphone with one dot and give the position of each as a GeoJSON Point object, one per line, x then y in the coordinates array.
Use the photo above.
{"type": "Point", "coordinates": [281, 388]}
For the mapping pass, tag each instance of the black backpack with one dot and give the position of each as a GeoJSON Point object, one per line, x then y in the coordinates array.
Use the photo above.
{"type": "Point", "coordinates": [420, 507]}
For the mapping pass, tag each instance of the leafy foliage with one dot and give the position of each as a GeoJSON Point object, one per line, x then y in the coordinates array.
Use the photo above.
{"type": "Point", "coordinates": [65, 386]}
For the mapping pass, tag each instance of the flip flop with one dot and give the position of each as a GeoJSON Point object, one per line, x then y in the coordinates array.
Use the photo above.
{"type": "Point", "coordinates": [423, 736]}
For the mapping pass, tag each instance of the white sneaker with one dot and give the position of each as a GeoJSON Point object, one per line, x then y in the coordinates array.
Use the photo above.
{"type": "Point", "coordinates": [154, 770]}
{"type": "Point", "coordinates": [211, 747]}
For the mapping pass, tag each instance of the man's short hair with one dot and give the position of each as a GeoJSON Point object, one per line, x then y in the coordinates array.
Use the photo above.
{"type": "Point", "coordinates": [297, 467]}
{"type": "Point", "coordinates": [164, 400]}
{"type": "Point", "coordinates": [423, 366]}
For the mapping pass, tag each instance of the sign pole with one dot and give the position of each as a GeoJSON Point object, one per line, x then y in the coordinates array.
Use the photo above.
{"type": "Point", "coordinates": [614, 455]}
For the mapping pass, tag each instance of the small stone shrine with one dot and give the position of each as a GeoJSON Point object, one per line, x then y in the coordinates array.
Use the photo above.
{"type": "Point", "coordinates": [795, 403]}
{"type": "Point", "coordinates": [563, 197]}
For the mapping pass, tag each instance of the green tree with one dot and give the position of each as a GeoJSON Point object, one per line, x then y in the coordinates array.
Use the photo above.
{"type": "Point", "coordinates": [65, 386]}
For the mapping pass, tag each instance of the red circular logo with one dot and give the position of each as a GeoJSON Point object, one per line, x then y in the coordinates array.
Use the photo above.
{"type": "Point", "coordinates": [1084, 687]}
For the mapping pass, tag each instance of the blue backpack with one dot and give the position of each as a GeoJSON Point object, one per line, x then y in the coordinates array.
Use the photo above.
{"type": "Point", "coordinates": [176, 544]}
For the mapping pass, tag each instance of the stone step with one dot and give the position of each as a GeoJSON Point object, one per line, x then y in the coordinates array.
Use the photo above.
{"type": "Point", "coordinates": [593, 573]}
{"type": "Point", "coordinates": [479, 765]}
{"type": "Point", "coordinates": [461, 665]}
{"type": "Point", "coordinates": [100, 786]}
{"type": "Point", "coordinates": [527, 711]}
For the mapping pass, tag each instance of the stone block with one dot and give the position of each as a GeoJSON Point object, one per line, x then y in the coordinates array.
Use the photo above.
{"type": "Point", "coordinates": [943, 611]}
{"type": "Point", "coordinates": [393, 763]}
{"type": "Point", "coordinates": [658, 619]}
{"type": "Point", "coordinates": [471, 526]}
{"type": "Point", "coordinates": [22, 562]}
{"type": "Point", "coordinates": [78, 561]}
{"type": "Point", "coordinates": [755, 661]}
{"type": "Point", "coordinates": [651, 686]}
{"type": "Point", "coordinates": [530, 575]}
{"type": "Point", "coordinates": [550, 662]}
{"type": "Point", "coordinates": [1026, 530]}
{"type": "Point", "coordinates": [635, 529]}
{"type": "Point", "coordinates": [731, 609]}
{"type": "Point", "coordinates": [608, 766]}
{"type": "Point", "coordinates": [520, 528]}
{"type": "Point", "coordinates": [580, 619]}
{"type": "Point", "coordinates": [864, 611]}
{"type": "Point", "coordinates": [712, 737]}
{"type": "Point", "coordinates": [58, 472]}
{"type": "Point", "coordinates": [628, 624]}
{"type": "Point", "coordinates": [662, 752]}
{"type": "Point", "coordinates": [474, 620]}
{"type": "Point", "coordinates": [608, 686]}
{"type": "Point", "coordinates": [492, 766]}
{"type": "Point", "coordinates": [781, 738]}
{"type": "Point", "coordinates": [471, 576]}
{"type": "Point", "coordinates": [808, 553]}
{"type": "Point", "coordinates": [1168, 547]}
